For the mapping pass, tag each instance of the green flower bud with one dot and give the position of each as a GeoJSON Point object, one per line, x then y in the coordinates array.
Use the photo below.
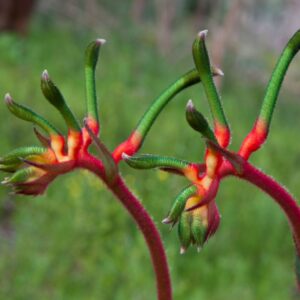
{"type": "Point", "coordinates": [54, 96]}
{"type": "Point", "coordinates": [179, 205]}
{"type": "Point", "coordinates": [198, 122]}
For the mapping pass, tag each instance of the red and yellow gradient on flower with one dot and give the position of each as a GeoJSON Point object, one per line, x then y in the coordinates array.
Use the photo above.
{"type": "Point", "coordinates": [195, 209]}
{"type": "Point", "coordinates": [34, 168]}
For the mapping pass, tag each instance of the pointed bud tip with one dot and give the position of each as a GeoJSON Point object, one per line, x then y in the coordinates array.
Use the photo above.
{"type": "Point", "coordinates": [202, 34]}
{"type": "Point", "coordinates": [190, 105]}
{"type": "Point", "coordinates": [166, 220]}
{"type": "Point", "coordinates": [5, 180]}
{"type": "Point", "coordinates": [8, 99]}
{"type": "Point", "coordinates": [100, 42]}
{"type": "Point", "coordinates": [182, 250]}
{"type": "Point", "coordinates": [125, 156]}
{"type": "Point", "coordinates": [45, 75]}
{"type": "Point", "coordinates": [219, 72]}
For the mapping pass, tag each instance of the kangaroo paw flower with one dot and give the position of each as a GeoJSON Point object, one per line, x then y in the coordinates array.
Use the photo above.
{"type": "Point", "coordinates": [197, 226]}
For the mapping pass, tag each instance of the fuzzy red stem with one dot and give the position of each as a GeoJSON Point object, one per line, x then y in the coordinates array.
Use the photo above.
{"type": "Point", "coordinates": [285, 200]}
{"type": "Point", "coordinates": [147, 227]}
{"type": "Point", "coordinates": [151, 235]}
{"type": "Point", "coordinates": [279, 194]}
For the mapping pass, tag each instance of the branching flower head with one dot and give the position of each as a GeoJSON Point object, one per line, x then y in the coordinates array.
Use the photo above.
{"type": "Point", "coordinates": [34, 168]}
{"type": "Point", "coordinates": [194, 210]}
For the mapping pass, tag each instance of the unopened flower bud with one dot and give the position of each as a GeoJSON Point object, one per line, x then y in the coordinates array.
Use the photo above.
{"type": "Point", "coordinates": [198, 122]}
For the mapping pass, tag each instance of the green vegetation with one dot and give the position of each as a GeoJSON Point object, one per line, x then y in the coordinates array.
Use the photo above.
{"type": "Point", "coordinates": [76, 242]}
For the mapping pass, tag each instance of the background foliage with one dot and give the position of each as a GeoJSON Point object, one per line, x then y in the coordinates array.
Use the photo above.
{"type": "Point", "coordinates": [76, 242]}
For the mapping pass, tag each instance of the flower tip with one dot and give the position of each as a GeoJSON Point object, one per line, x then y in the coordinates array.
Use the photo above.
{"type": "Point", "coordinates": [166, 220]}
{"type": "Point", "coordinates": [182, 250]}
{"type": "Point", "coordinates": [219, 72]}
{"type": "Point", "coordinates": [190, 105]}
{"type": "Point", "coordinates": [199, 248]}
{"type": "Point", "coordinates": [45, 75]}
{"type": "Point", "coordinates": [125, 156]}
{"type": "Point", "coordinates": [100, 42]}
{"type": "Point", "coordinates": [5, 180]}
{"type": "Point", "coordinates": [8, 99]}
{"type": "Point", "coordinates": [202, 34]}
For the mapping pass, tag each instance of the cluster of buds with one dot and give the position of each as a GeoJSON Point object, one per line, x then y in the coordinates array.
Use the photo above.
{"type": "Point", "coordinates": [34, 168]}
{"type": "Point", "coordinates": [195, 208]}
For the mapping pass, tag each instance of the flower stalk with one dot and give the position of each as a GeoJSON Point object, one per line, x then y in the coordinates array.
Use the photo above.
{"type": "Point", "coordinates": [195, 210]}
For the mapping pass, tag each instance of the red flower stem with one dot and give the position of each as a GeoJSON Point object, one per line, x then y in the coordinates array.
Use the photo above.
{"type": "Point", "coordinates": [285, 200]}
{"type": "Point", "coordinates": [151, 235]}
{"type": "Point", "coordinates": [279, 194]}
{"type": "Point", "coordinates": [147, 227]}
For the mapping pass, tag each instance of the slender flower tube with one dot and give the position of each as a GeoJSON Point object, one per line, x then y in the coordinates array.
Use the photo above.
{"type": "Point", "coordinates": [260, 130]}
{"type": "Point", "coordinates": [202, 64]}
{"type": "Point", "coordinates": [134, 142]}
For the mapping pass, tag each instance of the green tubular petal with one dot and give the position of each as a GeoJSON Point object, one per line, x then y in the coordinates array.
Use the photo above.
{"type": "Point", "coordinates": [198, 230]}
{"type": "Point", "coordinates": [54, 96]}
{"type": "Point", "coordinates": [198, 122]}
{"type": "Point", "coordinates": [188, 79]}
{"type": "Point", "coordinates": [91, 58]}
{"type": "Point", "coordinates": [277, 77]}
{"type": "Point", "coordinates": [20, 176]}
{"type": "Point", "coordinates": [184, 231]}
{"type": "Point", "coordinates": [27, 114]}
{"type": "Point", "coordinates": [149, 161]}
{"type": "Point", "coordinates": [202, 63]}
{"type": "Point", "coordinates": [23, 152]}
{"type": "Point", "coordinates": [179, 204]}
{"type": "Point", "coordinates": [9, 168]}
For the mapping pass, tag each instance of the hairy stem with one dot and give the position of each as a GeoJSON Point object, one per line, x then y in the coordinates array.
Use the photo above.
{"type": "Point", "coordinates": [282, 197]}
{"type": "Point", "coordinates": [279, 194]}
{"type": "Point", "coordinates": [152, 237]}
{"type": "Point", "coordinates": [147, 227]}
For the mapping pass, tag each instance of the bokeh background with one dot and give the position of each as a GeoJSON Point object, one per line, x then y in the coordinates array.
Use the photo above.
{"type": "Point", "coordinates": [76, 241]}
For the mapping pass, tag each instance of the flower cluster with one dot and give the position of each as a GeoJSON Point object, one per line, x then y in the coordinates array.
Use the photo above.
{"type": "Point", "coordinates": [195, 210]}
{"type": "Point", "coordinates": [195, 207]}
{"type": "Point", "coordinates": [34, 168]}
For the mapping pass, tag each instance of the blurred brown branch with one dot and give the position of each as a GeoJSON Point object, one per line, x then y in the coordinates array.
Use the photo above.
{"type": "Point", "coordinates": [15, 15]}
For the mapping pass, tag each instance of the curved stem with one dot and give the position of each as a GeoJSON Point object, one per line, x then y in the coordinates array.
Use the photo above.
{"type": "Point", "coordinates": [152, 237]}
{"type": "Point", "coordinates": [147, 227]}
{"type": "Point", "coordinates": [282, 197]}
{"type": "Point", "coordinates": [279, 194]}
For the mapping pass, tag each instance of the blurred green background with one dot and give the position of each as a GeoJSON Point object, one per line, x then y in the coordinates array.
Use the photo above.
{"type": "Point", "coordinates": [76, 241]}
